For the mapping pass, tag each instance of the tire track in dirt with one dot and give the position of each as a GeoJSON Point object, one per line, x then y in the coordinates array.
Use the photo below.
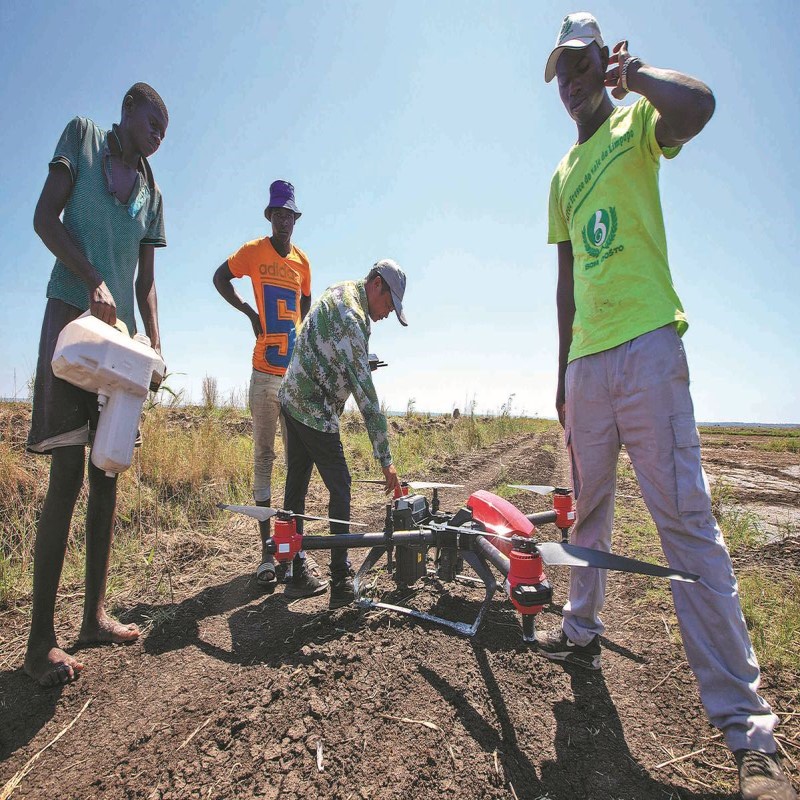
{"type": "Point", "coordinates": [530, 458]}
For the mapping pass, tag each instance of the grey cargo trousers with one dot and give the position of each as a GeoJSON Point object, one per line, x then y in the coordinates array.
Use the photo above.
{"type": "Point", "coordinates": [637, 394]}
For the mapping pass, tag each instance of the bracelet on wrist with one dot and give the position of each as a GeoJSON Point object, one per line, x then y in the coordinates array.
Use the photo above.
{"type": "Point", "coordinates": [623, 77]}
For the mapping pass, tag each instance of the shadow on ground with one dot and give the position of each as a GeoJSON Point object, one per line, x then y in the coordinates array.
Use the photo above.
{"type": "Point", "coordinates": [592, 762]}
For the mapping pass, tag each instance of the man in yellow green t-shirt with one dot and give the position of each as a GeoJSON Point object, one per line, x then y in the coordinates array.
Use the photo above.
{"type": "Point", "coordinates": [623, 376]}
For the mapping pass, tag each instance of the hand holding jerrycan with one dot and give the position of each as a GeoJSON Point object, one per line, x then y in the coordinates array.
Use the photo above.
{"type": "Point", "coordinates": [102, 359]}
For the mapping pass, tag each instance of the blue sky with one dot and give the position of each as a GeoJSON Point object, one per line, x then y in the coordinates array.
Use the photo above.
{"type": "Point", "coordinates": [423, 132]}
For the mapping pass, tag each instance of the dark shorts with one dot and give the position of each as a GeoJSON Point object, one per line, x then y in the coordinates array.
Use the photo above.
{"type": "Point", "coordinates": [63, 414]}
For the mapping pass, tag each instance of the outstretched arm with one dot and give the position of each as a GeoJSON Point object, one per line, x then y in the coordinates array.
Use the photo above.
{"type": "Point", "coordinates": [351, 350]}
{"type": "Point", "coordinates": [684, 104]}
{"type": "Point", "coordinates": [565, 307]}
{"type": "Point", "coordinates": [222, 283]}
{"type": "Point", "coordinates": [48, 225]}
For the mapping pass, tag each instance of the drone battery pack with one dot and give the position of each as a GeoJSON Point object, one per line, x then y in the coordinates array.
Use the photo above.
{"type": "Point", "coordinates": [409, 512]}
{"type": "Point", "coordinates": [410, 563]}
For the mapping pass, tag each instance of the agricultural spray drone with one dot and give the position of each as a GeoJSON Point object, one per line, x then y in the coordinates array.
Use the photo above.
{"type": "Point", "coordinates": [487, 532]}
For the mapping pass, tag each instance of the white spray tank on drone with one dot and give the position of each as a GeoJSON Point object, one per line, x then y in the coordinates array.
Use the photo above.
{"type": "Point", "coordinates": [102, 359]}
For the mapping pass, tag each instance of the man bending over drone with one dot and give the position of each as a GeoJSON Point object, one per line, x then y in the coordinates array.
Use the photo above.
{"type": "Point", "coordinates": [330, 362]}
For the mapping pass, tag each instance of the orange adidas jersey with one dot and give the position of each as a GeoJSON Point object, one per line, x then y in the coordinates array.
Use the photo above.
{"type": "Point", "coordinates": [277, 285]}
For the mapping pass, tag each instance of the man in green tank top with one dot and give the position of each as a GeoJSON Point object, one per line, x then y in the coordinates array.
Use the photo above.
{"type": "Point", "coordinates": [623, 376]}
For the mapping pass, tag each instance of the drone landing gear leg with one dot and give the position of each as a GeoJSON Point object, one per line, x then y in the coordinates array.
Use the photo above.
{"type": "Point", "coordinates": [529, 628]}
{"type": "Point", "coordinates": [369, 562]}
{"type": "Point", "coordinates": [485, 574]}
{"type": "Point", "coordinates": [473, 559]}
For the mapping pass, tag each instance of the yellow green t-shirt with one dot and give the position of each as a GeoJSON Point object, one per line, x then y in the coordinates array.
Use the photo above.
{"type": "Point", "coordinates": [604, 199]}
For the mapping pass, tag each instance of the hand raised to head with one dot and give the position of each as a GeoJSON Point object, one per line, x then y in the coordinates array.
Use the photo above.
{"type": "Point", "coordinates": [616, 67]}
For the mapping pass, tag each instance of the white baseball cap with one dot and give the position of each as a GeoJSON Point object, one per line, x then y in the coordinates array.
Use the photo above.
{"type": "Point", "coordinates": [578, 30]}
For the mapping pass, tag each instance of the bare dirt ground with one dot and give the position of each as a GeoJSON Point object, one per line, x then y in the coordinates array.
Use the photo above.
{"type": "Point", "coordinates": [233, 693]}
{"type": "Point", "coordinates": [762, 481]}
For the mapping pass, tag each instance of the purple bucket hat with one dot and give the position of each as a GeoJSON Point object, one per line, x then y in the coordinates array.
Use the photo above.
{"type": "Point", "coordinates": [281, 195]}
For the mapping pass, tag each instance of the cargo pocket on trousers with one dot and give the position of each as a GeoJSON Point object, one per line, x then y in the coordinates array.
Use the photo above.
{"type": "Point", "coordinates": [690, 480]}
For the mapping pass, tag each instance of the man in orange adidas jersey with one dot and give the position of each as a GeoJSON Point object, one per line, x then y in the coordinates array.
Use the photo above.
{"type": "Point", "coordinates": [281, 279]}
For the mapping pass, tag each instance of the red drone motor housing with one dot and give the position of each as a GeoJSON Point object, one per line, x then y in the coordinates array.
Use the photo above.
{"type": "Point", "coordinates": [565, 511]}
{"type": "Point", "coordinates": [528, 588]}
{"type": "Point", "coordinates": [288, 542]}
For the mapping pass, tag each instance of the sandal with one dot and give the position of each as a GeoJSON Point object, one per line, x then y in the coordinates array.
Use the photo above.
{"type": "Point", "coordinates": [265, 575]}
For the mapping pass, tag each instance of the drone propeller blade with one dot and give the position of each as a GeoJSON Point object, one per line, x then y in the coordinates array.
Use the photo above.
{"type": "Point", "coordinates": [433, 485]}
{"type": "Point", "coordinates": [414, 484]}
{"type": "Point", "coordinates": [261, 513]}
{"type": "Point", "coordinates": [571, 555]}
{"type": "Point", "coordinates": [532, 488]}
{"type": "Point", "coordinates": [328, 519]}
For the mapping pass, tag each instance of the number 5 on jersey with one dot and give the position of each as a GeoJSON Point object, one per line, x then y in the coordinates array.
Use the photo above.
{"type": "Point", "coordinates": [280, 312]}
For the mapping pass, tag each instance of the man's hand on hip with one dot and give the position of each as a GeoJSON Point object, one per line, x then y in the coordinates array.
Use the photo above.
{"type": "Point", "coordinates": [255, 321]}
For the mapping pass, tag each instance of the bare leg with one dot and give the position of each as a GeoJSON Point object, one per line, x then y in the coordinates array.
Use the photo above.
{"type": "Point", "coordinates": [45, 662]}
{"type": "Point", "coordinates": [98, 627]}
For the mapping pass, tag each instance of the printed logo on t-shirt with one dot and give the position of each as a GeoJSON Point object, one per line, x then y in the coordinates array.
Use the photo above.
{"type": "Point", "coordinates": [599, 234]}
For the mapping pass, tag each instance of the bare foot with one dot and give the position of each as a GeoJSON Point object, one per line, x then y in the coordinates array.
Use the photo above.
{"type": "Point", "coordinates": [52, 667]}
{"type": "Point", "coordinates": [108, 631]}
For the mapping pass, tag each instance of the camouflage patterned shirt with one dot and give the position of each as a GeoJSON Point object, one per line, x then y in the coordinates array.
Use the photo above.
{"type": "Point", "coordinates": [330, 362]}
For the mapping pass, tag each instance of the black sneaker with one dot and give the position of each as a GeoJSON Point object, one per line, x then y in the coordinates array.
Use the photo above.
{"type": "Point", "coordinates": [342, 593]}
{"type": "Point", "coordinates": [557, 647]}
{"type": "Point", "coordinates": [305, 582]}
{"type": "Point", "coordinates": [761, 777]}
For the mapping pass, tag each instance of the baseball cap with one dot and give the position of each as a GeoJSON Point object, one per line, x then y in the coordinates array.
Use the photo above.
{"type": "Point", "coordinates": [395, 279]}
{"type": "Point", "coordinates": [578, 30]}
{"type": "Point", "coordinates": [281, 195]}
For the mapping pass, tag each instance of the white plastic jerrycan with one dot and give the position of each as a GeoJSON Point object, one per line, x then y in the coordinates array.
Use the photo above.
{"type": "Point", "coordinates": [102, 359]}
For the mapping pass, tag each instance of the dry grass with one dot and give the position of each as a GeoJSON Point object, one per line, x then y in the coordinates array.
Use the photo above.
{"type": "Point", "coordinates": [191, 459]}
{"type": "Point", "coordinates": [770, 598]}
{"type": "Point", "coordinates": [190, 462]}
{"type": "Point", "coordinates": [420, 442]}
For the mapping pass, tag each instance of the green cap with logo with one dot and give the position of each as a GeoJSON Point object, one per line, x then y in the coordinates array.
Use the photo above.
{"type": "Point", "coordinates": [578, 30]}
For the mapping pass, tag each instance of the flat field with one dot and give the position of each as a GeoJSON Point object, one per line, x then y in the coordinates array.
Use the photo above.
{"type": "Point", "coordinates": [234, 693]}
